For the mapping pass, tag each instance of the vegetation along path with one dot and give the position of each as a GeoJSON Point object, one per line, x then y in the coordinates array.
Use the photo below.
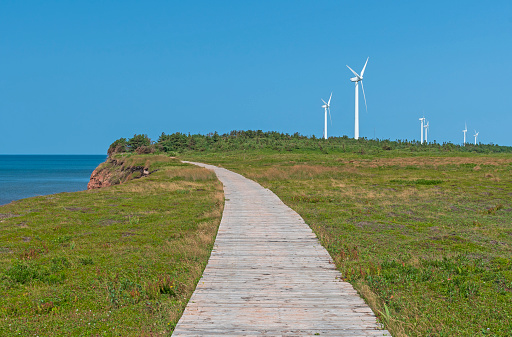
{"type": "Point", "coordinates": [268, 275]}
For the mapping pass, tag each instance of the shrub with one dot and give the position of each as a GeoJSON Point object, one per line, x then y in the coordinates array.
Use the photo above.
{"type": "Point", "coordinates": [120, 145]}
{"type": "Point", "coordinates": [145, 149]}
{"type": "Point", "coordinates": [137, 141]}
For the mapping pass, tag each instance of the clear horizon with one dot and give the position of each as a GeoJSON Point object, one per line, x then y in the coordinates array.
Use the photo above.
{"type": "Point", "coordinates": [74, 77]}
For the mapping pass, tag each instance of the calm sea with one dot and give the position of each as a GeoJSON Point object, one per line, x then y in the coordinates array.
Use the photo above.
{"type": "Point", "coordinates": [24, 176]}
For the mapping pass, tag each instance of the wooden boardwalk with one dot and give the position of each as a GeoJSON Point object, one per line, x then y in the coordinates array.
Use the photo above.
{"type": "Point", "coordinates": [268, 275]}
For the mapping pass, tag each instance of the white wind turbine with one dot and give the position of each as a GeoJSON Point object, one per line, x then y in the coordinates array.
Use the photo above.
{"type": "Point", "coordinates": [426, 132]}
{"type": "Point", "coordinates": [422, 120]}
{"type": "Point", "coordinates": [465, 130]}
{"type": "Point", "coordinates": [326, 106]}
{"type": "Point", "coordinates": [476, 136]}
{"type": "Point", "coordinates": [358, 79]}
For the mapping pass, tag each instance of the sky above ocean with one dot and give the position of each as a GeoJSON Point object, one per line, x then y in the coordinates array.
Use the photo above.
{"type": "Point", "coordinates": [77, 75]}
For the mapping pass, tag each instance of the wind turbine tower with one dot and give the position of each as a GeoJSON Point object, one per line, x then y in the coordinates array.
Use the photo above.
{"type": "Point", "coordinates": [476, 136]}
{"type": "Point", "coordinates": [422, 120]}
{"type": "Point", "coordinates": [326, 106]}
{"type": "Point", "coordinates": [465, 130]}
{"type": "Point", "coordinates": [426, 132]}
{"type": "Point", "coordinates": [358, 78]}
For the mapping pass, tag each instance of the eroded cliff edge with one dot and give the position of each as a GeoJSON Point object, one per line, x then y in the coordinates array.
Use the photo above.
{"type": "Point", "coordinates": [116, 171]}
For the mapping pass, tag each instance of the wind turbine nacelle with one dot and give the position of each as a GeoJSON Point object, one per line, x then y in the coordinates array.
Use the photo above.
{"type": "Point", "coordinates": [354, 79]}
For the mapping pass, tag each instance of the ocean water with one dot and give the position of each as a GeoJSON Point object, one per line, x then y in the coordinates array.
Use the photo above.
{"type": "Point", "coordinates": [24, 176]}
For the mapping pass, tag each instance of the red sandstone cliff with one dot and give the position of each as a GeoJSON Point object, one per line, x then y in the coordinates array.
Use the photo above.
{"type": "Point", "coordinates": [100, 177]}
{"type": "Point", "coordinates": [113, 172]}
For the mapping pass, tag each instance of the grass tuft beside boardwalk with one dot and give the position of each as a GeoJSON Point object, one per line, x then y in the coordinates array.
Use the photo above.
{"type": "Point", "coordinates": [426, 240]}
{"type": "Point", "coordinates": [118, 261]}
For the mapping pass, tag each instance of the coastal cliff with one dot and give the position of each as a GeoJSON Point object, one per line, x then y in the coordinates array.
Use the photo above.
{"type": "Point", "coordinates": [116, 171]}
{"type": "Point", "coordinates": [99, 178]}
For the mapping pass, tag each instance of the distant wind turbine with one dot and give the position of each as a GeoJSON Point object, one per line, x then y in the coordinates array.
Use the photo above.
{"type": "Point", "coordinates": [426, 132]}
{"type": "Point", "coordinates": [476, 136]}
{"type": "Point", "coordinates": [326, 106]}
{"type": "Point", "coordinates": [357, 79]}
{"type": "Point", "coordinates": [465, 130]}
{"type": "Point", "coordinates": [422, 120]}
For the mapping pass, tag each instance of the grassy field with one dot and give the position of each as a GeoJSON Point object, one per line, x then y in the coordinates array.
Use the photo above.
{"type": "Point", "coordinates": [425, 239]}
{"type": "Point", "coordinates": [119, 261]}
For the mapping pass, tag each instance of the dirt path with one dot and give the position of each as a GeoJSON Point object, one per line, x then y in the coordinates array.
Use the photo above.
{"type": "Point", "coordinates": [269, 275]}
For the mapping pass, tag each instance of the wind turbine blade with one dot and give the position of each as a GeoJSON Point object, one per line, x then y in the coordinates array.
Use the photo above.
{"type": "Point", "coordinates": [362, 72]}
{"type": "Point", "coordinates": [329, 103]}
{"type": "Point", "coordinates": [323, 101]}
{"type": "Point", "coordinates": [353, 72]}
{"type": "Point", "coordinates": [362, 87]}
{"type": "Point", "coordinates": [330, 115]}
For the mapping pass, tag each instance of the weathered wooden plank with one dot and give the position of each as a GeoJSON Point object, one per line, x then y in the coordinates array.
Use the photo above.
{"type": "Point", "coordinates": [287, 332]}
{"type": "Point", "coordinates": [268, 275]}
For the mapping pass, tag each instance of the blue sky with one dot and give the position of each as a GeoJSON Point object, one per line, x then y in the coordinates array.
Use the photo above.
{"type": "Point", "coordinates": [77, 75]}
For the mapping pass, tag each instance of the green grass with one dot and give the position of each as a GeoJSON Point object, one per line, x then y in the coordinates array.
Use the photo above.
{"type": "Point", "coordinates": [424, 236]}
{"type": "Point", "coordinates": [426, 240]}
{"type": "Point", "coordinates": [119, 261]}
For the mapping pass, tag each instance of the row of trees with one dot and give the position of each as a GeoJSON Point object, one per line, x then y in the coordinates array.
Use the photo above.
{"type": "Point", "coordinates": [271, 140]}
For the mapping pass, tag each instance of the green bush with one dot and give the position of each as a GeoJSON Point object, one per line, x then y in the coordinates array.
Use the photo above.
{"type": "Point", "coordinates": [137, 141]}
{"type": "Point", "coordinates": [145, 149]}
{"type": "Point", "coordinates": [118, 146]}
